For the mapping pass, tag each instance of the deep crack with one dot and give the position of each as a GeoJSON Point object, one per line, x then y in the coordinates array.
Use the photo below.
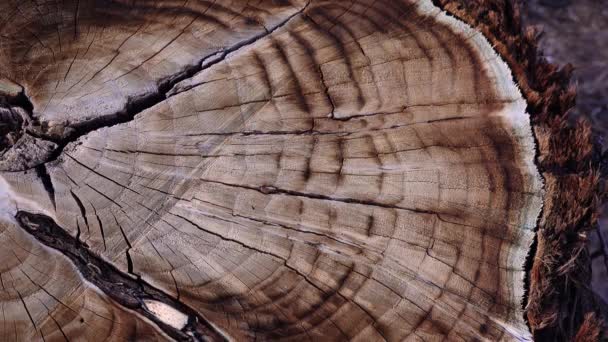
{"type": "Point", "coordinates": [166, 89]}
{"type": "Point", "coordinates": [127, 289]}
{"type": "Point", "coordinates": [44, 176]}
{"type": "Point", "coordinates": [122, 288]}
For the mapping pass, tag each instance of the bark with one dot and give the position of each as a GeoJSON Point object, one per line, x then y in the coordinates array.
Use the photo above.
{"type": "Point", "coordinates": [269, 170]}
{"type": "Point", "coordinates": [560, 305]}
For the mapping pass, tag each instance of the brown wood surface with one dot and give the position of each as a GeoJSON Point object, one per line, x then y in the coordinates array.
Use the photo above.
{"type": "Point", "coordinates": [329, 170]}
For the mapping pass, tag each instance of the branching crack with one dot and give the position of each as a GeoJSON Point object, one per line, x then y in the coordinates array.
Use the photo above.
{"type": "Point", "coordinates": [136, 105]}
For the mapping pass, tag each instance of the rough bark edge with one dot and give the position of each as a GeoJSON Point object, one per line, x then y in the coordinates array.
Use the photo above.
{"type": "Point", "coordinates": [560, 304]}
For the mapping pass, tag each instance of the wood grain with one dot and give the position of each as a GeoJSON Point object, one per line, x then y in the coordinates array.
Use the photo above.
{"type": "Point", "coordinates": [359, 170]}
{"type": "Point", "coordinates": [45, 298]}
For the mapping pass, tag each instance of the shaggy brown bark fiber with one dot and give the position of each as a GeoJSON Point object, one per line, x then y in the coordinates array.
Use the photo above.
{"type": "Point", "coordinates": [560, 305]}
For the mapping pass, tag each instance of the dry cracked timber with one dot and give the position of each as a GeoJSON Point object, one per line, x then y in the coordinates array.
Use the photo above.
{"type": "Point", "coordinates": [125, 290]}
{"type": "Point", "coordinates": [277, 170]}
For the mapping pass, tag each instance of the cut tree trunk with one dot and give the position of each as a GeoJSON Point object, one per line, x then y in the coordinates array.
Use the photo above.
{"type": "Point", "coordinates": [285, 170]}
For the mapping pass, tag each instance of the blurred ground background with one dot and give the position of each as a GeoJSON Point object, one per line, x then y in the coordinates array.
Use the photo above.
{"type": "Point", "coordinates": [576, 32]}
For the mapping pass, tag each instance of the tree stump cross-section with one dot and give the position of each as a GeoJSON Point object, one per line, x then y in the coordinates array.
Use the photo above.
{"type": "Point", "coordinates": [273, 170]}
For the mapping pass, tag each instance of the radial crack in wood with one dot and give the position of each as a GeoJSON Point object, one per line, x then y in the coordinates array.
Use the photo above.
{"type": "Point", "coordinates": [44, 298]}
{"type": "Point", "coordinates": [130, 292]}
{"type": "Point", "coordinates": [290, 170]}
